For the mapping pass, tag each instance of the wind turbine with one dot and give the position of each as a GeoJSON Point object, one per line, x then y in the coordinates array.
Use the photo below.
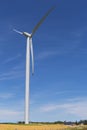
{"type": "Point", "coordinates": [29, 49]}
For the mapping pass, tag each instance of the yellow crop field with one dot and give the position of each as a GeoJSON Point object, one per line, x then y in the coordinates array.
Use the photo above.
{"type": "Point", "coordinates": [32, 127]}
{"type": "Point", "coordinates": [40, 127]}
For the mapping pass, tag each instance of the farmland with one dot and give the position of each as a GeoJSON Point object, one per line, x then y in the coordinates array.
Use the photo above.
{"type": "Point", "coordinates": [40, 127]}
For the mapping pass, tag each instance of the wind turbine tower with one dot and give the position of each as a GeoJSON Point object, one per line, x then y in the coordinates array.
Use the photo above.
{"type": "Point", "coordinates": [29, 49]}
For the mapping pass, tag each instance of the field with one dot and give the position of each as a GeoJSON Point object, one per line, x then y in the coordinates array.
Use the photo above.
{"type": "Point", "coordinates": [40, 127]}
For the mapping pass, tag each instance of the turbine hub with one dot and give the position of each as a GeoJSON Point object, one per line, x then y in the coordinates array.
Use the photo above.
{"type": "Point", "coordinates": [27, 34]}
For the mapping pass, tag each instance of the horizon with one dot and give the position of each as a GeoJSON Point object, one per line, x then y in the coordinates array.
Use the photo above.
{"type": "Point", "coordinates": [58, 86]}
{"type": "Point", "coordinates": [43, 122]}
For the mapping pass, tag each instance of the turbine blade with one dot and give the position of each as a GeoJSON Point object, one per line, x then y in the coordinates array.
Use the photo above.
{"type": "Point", "coordinates": [32, 55]}
{"type": "Point", "coordinates": [41, 21]}
{"type": "Point", "coordinates": [17, 31]}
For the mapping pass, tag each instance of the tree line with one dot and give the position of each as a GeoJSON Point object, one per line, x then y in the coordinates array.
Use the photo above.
{"type": "Point", "coordinates": [84, 122]}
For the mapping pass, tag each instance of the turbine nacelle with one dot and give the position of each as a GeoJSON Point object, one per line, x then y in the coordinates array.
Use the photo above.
{"type": "Point", "coordinates": [27, 34]}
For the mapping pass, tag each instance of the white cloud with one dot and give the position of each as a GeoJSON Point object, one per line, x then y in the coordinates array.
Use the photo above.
{"type": "Point", "coordinates": [20, 66]}
{"type": "Point", "coordinates": [65, 48]}
{"type": "Point", "coordinates": [10, 115]}
{"type": "Point", "coordinates": [80, 32]}
{"type": "Point", "coordinates": [49, 107]}
{"type": "Point", "coordinates": [6, 95]}
{"type": "Point", "coordinates": [79, 109]}
{"type": "Point", "coordinates": [75, 108]}
{"type": "Point", "coordinates": [15, 72]}
{"type": "Point", "coordinates": [12, 58]}
{"type": "Point", "coordinates": [12, 74]}
{"type": "Point", "coordinates": [12, 111]}
{"type": "Point", "coordinates": [47, 54]}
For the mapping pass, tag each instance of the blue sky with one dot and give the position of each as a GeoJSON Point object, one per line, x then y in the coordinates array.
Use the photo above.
{"type": "Point", "coordinates": [58, 89]}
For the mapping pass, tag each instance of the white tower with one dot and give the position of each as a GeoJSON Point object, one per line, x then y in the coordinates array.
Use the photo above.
{"type": "Point", "coordinates": [29, 48]}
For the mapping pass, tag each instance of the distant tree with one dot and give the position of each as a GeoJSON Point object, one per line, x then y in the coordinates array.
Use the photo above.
{"type": "Point", "coordinates": [83, 122]}
{"type": "Point", "coordinates": [20, 122]}
{"type": "Point", "coordinates": [58, 122]}
{"type": "Point", "coordinates": [76, 123]}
